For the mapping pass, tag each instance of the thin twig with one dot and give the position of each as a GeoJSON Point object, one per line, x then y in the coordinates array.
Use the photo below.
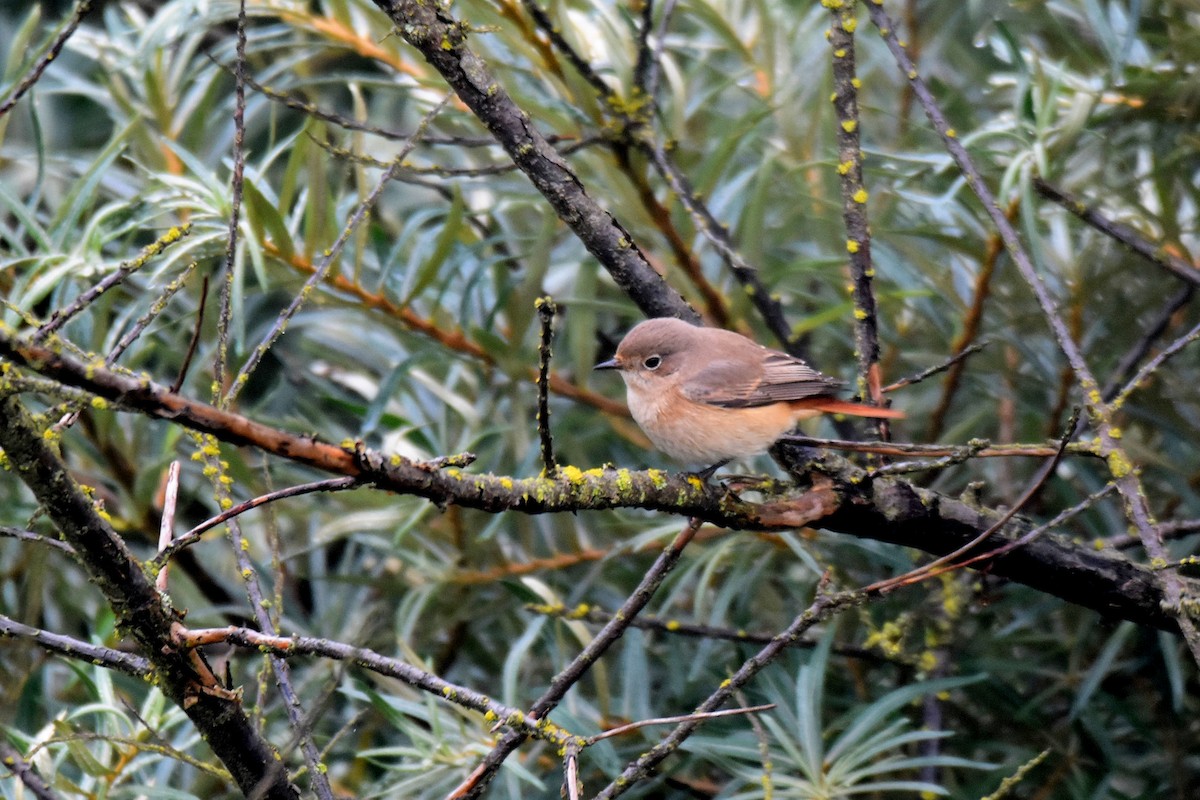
{"type": "Point", "coordinates": [451, 338]}
{"type": "Point", "coordinates": [769, 307]}
{"type": "Point", "coordinates": [237, 182]}
{"type": "Point", "coordinates": [475, 783]}
{"type": "Point", "coordinates": [934, 370]}
{"type": "Point", "coordinates": [156, 308]}
{"type": "Point", "coordinates": [646, 56]}
{"type": "Point", "coordinates": [764, 750]}
{"type": "Point", "coordinates": [78, 649]}
{"type": "Point", "coordinates": [1167, 530]}
{"type": "Point", "coordinates": [165, 554]}
{"type": "Point", "coordinates": [123, 271]}
{"type": "Point", "coordinates": [927, 571]}
{"type": "Point", "coordinates": [821, 609]}
{"type": "Point", "coordinates": [620, 730]}
{"type": "Point", "coordinates": [365, 658]}
{"type": "Point", "coordinates": [1011, 782]}
{"type": "Point", "coordinates": [52, 52]}
{"type": "Point", "coordinates": [1154, 331]}
{"type": "Point", "coordinates": [330, 256]}
{"type": "Point", "coordinates": [300, 104]}
{"type": "Point", "coordinates": [167, 525]}
{"type": "Point", "coordinates": [978, 448]}
{"type": "Point", "coordinates": [546, 310]}
{"type": "Point", "coordinates": [958, 456]}
{"type": "Point", "coordinates": [1151, 366]}
{"type": "Point", "coordinates": [318, 777]}
{"type": "Point", "coordinates": [1034, 533]}
{"type": "Point", "coordinates": [648, 70]}
{"type": "Point", "coordinates": [854, 204]}
{"type": "Point", "coordinates": [35, 538]}
{"type": "Point", "coordinates": [190, 353]}
{"type": "Point", "coordinates": [673, 627]}
{"type": "Point", "coordinates": [446, 172]}
{"type": "Point", "coordinates": [554, 34]}
{"type": "Point", "coordinates": [1148, 250]}
{"type": "Point", "coordinates": [715, 304]}
{"type": "Point", "coordinates": [1179, 267]}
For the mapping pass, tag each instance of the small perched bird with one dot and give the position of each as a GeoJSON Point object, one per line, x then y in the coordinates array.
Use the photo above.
{"type": "Point", "coordinates": [708, 396]}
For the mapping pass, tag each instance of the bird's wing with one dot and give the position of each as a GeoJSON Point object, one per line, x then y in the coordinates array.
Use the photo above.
{"type": "Point", "coordinates": [743, 384]}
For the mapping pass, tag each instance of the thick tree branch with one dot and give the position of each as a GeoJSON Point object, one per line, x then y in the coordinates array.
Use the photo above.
{"type": "Point", "coordinates": [842, 497]}
{"type": "Point", "coordinates": [443, 41]}
{"type": "Point", "coordinates": [139, 609]}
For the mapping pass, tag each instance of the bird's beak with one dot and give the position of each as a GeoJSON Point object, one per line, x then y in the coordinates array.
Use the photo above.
{"type": "Point", "coordinates": [612, 363]}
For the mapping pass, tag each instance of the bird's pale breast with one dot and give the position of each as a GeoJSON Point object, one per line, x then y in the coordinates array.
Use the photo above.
{"type": "Point", "coordinates": [697, 433]}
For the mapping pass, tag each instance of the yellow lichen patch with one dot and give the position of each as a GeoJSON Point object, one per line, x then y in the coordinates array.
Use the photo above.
{"type": "Point", "coordinates": [571, 474]}
{"type": "Point", "coordinates": [658, 478]}
{"type": "Point", "coordinates": [1118, 464]}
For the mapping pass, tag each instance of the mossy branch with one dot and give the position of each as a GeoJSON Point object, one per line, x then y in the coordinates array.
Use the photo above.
{"type": "Point", "coordinates": [839, 496]}
{"type": "Point", "coordinates": [216, 712]}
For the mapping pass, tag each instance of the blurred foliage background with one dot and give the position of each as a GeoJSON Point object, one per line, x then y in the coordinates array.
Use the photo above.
{"type": "Point", "coordinates": [423, 338]}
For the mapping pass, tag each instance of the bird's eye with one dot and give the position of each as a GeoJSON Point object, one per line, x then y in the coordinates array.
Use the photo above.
{"type": "Point", "coordinates": [652, 363]}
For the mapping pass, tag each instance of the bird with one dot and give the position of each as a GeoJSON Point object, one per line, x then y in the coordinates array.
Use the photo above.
{"type": "Point", "coordinates": [709, 396]}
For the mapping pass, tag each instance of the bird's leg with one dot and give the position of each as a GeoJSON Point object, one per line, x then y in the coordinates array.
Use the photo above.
{"type": "Point", "coordinates": [707, 472]}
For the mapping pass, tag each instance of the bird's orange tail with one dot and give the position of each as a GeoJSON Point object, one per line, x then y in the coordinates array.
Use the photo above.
{"type": "Point", "coordinates": [828, 405]}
